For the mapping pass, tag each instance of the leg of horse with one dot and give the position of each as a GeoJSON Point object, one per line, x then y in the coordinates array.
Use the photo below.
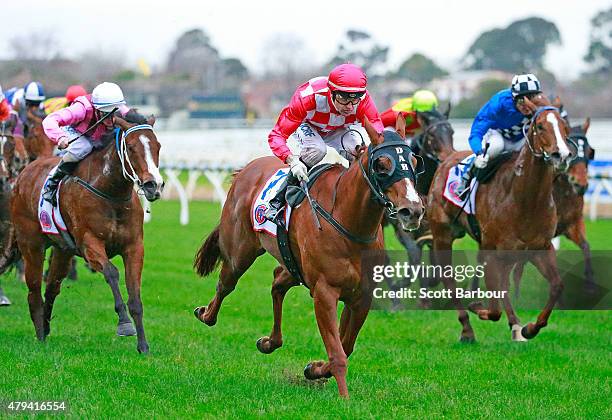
{"type": "Point", "coordinates": [576, 233]}
{"type": "Point", "coordinates": [34, 257]}
{"type": "Point", "coordinates": [517, 274]}
{"type": "Point", "coordinates": [496, 274]}
{"type": "Point", "coordinates": [441, 255]}
{"type": "Point", "coordinates": [58, 269]}
{"type": "Point", "coordinates": [546, 263]}
{"type": "Point", "coordinates": [96, 257]}
{"type": "Point", "coordinates": [513, 321]}
{"type": "Point", "coordinates": [352, 319]}
{"type": "Point", "coordinates": [228, 278]}
{"type": "Point", "coordinates": [133, 261]}
{"type": "Point", "coordinates": [72, 274]}
{"type": "Point", "coordinates": [282, 283]}
{"type": "Point", "coordinates": [326, 311]}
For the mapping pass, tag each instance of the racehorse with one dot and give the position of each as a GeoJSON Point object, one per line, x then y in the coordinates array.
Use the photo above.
{"type": "Point", "coordinates": [568, 193]}
{"type": "Point", "coordinates": [12, 159]}
{"type": "Point", "coordinates": [102, 214]}
{"type": "Point", "coordinates": [330, 259]}
{"type": "Point", "coordinates": [37, 143]}
{"type": "Point", "coordinates": [515, 212]}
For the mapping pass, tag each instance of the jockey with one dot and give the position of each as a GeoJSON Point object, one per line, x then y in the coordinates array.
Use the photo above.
{"type": "Point", "coordinates": [91, 115]}
{"type": "Point", "coordinates": [408, 108]}
{"type": "Point", "coordinates": [55, 104]}
{"type": "Point", "coordinates": [320, 114]}
{"type": "Point", "coordinates": [31, 100]}
{"type": "Point", "coordinates": [6, 113]}
{"type": "Point", "coordinates": [498, 126]}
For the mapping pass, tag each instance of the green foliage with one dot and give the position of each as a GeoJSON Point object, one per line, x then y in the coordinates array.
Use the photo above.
{"type": "Point", "coordinates": [519, 47]}
{"type": "Point", "coordinates": [234, 68]}
{"type": "Point", "coordinates": [125, 75]}
{"type": "Point", "coordinates": [405, 364]}
{"type": "Point", "coordinates": [420, 69]}
{"type": "Point", "coordinates": [600, 48]}
{"type": "Point", "coordinates": [469, 107]}
{"type": "Point", "coordinates": [359, 48]}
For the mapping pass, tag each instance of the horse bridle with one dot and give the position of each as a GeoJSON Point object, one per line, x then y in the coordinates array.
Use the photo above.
{"type": "Point", "coordinates": [124, 157]}
{"type": "Point", "coordinates": [427, 132]}
{"type": "Point", "coordinates": [541, 154]}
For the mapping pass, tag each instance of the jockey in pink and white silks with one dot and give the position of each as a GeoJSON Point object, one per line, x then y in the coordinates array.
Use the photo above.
{"type": "Point", "coordinates": [320, 114]}
{"type": "Point", "coordinates": [86, 120]}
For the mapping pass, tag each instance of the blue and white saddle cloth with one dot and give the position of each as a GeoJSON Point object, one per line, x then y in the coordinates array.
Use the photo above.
{"type": "Point", "coordinates": [454, 179]}
{"type": "Point", "coordinates": [50, 218]}
{"type": "Point", "coordinates": [262, 203]}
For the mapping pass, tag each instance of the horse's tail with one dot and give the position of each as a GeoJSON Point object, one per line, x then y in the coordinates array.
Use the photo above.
{"type": "Point", "coordinates": [209, 254]}
{"type": "Point", "coordinates": [9, 253]}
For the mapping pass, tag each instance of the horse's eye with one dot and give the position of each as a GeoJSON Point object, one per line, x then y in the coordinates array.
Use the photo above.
{"type": "Point", "coordinates": [540, 126]}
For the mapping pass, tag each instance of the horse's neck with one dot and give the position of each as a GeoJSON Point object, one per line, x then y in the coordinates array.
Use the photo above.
{"type": "Point", "coordinates": [532, 188]}
{"type": "Point", "coordinates": [354, 208]}
{"type": "Point", "coordinates": [102, 169]}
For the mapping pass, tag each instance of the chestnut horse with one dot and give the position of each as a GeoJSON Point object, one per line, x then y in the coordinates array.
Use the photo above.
{"type": "Point", "coordinates": [12, 159]}
{"type": "Point", "coordinates": [515, 211]}
{"type": "Point", "coordinates": [568, 193]}
{"type": "Point", "coordinates": [37, 143]}
{"type": "Point", "coordinates": [330, 261]}
{"type": "Point", "coordinates": [103, 216]}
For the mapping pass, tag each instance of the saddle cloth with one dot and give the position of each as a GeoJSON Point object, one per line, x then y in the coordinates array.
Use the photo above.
{"type": "Point", "coordinates": [452, 181]}
{"type": "Point", "coordinates": [50, 217]}
{"type": "Point", "coordinates": [262, 203]}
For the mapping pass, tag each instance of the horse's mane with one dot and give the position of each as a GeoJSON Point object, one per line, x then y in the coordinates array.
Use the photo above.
{"type": "Point", "coordinates": [434, 114]}
{"type": "Point", "coordinates": [134, 117]}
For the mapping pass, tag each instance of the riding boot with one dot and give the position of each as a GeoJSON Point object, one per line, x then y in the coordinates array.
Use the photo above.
{"type": "Point", "coordinates": [464, 183]}
{"type": "Point", "coordinates": [64, 169]}
{"type": "Point", "coordinates": [278, 201]}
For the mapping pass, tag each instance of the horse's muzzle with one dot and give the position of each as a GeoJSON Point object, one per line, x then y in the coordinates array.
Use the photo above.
{"type": "Point", "coordinates": [152, 190]}
{"type": "Point", "coordinates": [410, 218]}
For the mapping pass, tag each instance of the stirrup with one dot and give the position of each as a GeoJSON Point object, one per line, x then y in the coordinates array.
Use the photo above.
{"type": "Point", "coordinates": [49, 195]}
{"type": "Point", "coordinates": [273, 213]}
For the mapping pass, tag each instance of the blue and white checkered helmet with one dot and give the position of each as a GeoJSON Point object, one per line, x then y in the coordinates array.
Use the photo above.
{"type": "Point", "coordinates": [525, 83]}
{"type": "Point", "coordinates": [34, 91]}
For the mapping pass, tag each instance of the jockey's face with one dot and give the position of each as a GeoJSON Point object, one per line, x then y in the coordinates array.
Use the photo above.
{"type": "Point", "coordinates": [346, 102]}
{"type": "Point", "coordinates": [109, 121]}
{"type": "Point", "coordinates": [522, 106]}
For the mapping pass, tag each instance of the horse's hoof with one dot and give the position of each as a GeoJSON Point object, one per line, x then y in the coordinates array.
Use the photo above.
{"type": "Point", "coordinates": [525, 332]}
{"type": "Point", "coordinates": [308, 372]}
{"type": "Point", "coordinates": [475, 307]}
{"type": "Point", "coordinates": [143, 349]}
{"type": "Point", "coordinates": [262, 348]}
{"type": "Point", "coordinates": [126, 329]}
{"type": "Point", "coordinates": [4, 301]}
{"type": "Point", "coordinates": [517, 334]}
{"type": "Point", "coordinates": [199, 311]}
{"type": "Point", "coordinates": [467, 340]}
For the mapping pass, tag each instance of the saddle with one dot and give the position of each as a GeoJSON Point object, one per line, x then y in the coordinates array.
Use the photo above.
{"type": "Point", "coordinates": [296, 194]}
{"type": "Point", "coordinates": [485, 175]}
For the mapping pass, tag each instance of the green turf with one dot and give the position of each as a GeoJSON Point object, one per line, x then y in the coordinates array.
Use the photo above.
{"type": "Point", "coordinates": [406, 364]}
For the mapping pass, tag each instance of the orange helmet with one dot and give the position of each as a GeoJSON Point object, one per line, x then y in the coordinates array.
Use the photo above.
{"type": "Point", "coordinates": [74, 92]}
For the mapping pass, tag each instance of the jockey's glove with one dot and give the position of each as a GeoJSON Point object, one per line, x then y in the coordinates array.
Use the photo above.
{"type": "Point", "coordinates": [298, 169]}
{"type": "Point", "coordinates": [481, 161]}
{"type": "Point", "coordinates": [63, 142]}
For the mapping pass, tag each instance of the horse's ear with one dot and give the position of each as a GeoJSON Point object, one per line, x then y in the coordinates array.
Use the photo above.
{"type": "Point", "coordinates": [586, 125]}
{"type": "Point", "coordinates": [375, 137]}
{"type": "Point", "coordinates": [400, 125]}
{"type": "Point", "coordinates": [151, 120]}
{"type": "Point", "coordinates": [557, 102]}
{"type": "Point", "coordinates": [448, 110]}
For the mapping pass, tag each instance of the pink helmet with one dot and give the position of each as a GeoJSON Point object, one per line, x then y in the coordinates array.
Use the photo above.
{"type": "Point", "coordinates": [347, 78]}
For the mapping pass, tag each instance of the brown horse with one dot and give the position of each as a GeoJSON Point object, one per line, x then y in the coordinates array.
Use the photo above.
{"type": "Point", "coordinates": [103, 216]}
{"type": "Point", "coordinates": [330, 261]}
{"type": "Point", "coordinates": [37, 143]}
{"type": "Point", "coordinates": [568, 193]}
{"type": "Point", "coordinates": [515, 211]}
{"type": "Point", "coordinates": [12, 159]}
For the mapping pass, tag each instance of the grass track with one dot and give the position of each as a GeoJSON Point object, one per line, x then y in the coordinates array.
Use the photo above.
{"type": "Point", "coordinates": [406, 364]}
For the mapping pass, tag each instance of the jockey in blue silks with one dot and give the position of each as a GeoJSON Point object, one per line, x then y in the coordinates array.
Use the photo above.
{"type": "Point", "coordinates": [498, 126]}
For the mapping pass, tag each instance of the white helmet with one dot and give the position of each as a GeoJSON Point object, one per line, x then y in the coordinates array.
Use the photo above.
{"type": "Point", "coordinates": [17, 97]}
{"type": "Point", "coordinates": [34, 92]}
{"type": "Point", "coordinates": [1, 94]}
{"type": "Point", "coordinates": [107, 96]}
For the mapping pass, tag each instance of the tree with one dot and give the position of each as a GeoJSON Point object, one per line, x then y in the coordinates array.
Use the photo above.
{"type": "Point", "coordinates": [519, 47]}
{"type": "Point", "coordinates": [35, 46]}
{"type": "Point", "coordinates": [469, 107]}
{"type": "Point", "coordinates": [420, 69]}
{"type": "Point", "coordinates": [359, 48]}
{"type": "Point", "coordinates": [600, 48]}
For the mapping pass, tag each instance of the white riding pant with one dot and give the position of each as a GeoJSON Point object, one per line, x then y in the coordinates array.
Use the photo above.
{"type": "Point", "coordinates": [497, 143]}
{"type": "Point", "coordinates": [313, 146]}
